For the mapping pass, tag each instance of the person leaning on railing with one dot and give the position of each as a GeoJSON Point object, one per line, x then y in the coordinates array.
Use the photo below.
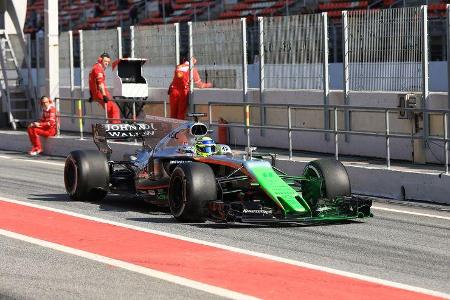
{"type": "Point", "coordinates": [46, 126]}
{"type": "Point", "coordinates": [98, 90]}
{"type": "Point", "coordinates": [179, 89]}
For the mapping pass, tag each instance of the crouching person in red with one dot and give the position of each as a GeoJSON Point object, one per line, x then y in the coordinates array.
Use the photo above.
{"type": "Point", "coordinates": [46, 126]}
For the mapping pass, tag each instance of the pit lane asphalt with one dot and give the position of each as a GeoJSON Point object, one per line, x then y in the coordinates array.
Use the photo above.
{"type": "Point", "coordinates": [398, 247]}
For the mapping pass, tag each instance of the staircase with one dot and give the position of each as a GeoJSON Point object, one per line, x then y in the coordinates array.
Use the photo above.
{"type": "Point", "coordinates": [14, 94]}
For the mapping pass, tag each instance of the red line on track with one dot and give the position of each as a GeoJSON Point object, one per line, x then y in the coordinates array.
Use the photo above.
{"type": "Point", "coordinates": [238, 272]}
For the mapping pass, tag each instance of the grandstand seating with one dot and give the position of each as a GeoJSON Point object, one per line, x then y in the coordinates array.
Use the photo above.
{"type": "Point", "coordinates": [255, 8]}
{"type": "Point", "coordinates": [101, 14]}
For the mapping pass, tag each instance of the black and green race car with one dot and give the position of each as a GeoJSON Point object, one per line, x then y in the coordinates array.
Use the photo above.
{"type": "Point", "coordinates": [208, 181]}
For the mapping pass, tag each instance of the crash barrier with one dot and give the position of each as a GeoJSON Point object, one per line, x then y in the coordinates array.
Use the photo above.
{"type": "Point", "coordinates": [414, 114]}
{"type": "Point", "coordinates": [128, 107]}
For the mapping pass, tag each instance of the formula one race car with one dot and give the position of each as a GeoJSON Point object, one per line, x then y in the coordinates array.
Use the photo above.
{"type": "Point", "coordinates": [180, 166]}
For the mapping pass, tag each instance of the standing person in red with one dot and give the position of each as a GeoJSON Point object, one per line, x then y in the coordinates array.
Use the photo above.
{"type": "Point", "coordinates": [99, 92]}
{"type": "Point", "coordinates": [179, 89]}
{"type": "Point", "coordinates": [46, 126]}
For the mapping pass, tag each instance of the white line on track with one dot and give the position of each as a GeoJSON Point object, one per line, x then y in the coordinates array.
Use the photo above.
{"type": "Point", "coordinates": [33, 161]}
{"type": "Point", "coordinates": [244, 251]}
{"type": "Point", "coordinates": [131, 267]}
{"type": "Point", "coordinates": [409, 212]}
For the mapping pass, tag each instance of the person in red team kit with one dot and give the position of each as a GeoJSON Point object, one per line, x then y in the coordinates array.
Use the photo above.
{"type": "Point", "coordinates": [46, 126]}
{"type": "Point", "coordinates": [99, 92]}
{"type": "Point", "coordinates": [179, 89]}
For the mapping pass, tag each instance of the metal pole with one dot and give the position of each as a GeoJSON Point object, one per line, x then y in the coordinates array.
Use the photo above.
{"type": "Point", "coordinates": [58, 127]}
{"type": "Point", "coordinates": [244, 60]}
{"type": "Point", "coordinates": [448, 57]}
{"type": "Point", "coordinates": [80, 115]}
{"type": "Point", "coordinates": [244, 75]}
{"type": "Point", "coordinates": [346, 72]}
{"type": "Point", "coordinates": [71, 68]}
{"type": "Point", "coordinates": [191, 66]}
{"type": "Point", "coordinates": [134, 111]}
{"type": "Point", "coordinates": [247, 123]}
{"type": "Point", "coordinates": [446, 142]}
{"type": "Point", "coordinates": [388, 149]}
{"type": "Point", "coordinates": [425, 73]}
{"type": "Point", "coordinates": [336, 136]}
{"type": "Point", "coordinates": [119, 41]}
{"type": "Point", "coordinates": [210, 113]}
{"type": "Point", "coordinates": [290, 132]}
{"type": "Point", "coordinates": [132, 41]}
{"type": "Point", "coordinates": [177, 43]}
{"type": "Point", "coordinates": [81, 64]}
{"type": "Point", "coordinates": [261, 73]}
{"type": "Point", "coordinates": [326, 83]}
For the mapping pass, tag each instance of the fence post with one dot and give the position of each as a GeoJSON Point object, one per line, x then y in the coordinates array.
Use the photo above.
{"type": "Point", "coordinates": [446, 142]}
{"type": "Point", "coordinates": [80, 116]}
{"type": "Point", "coordinates": [448, 57]}
{"type": "Point", "coordinates": [326, 84]}
{"type": "Point", "coordinates": [81, 65]}
{"type": "Point", "coordinates": [261, 73]}
{"type": "Point", "coordinates": [388, 149]}
{"type": "Point", "coordinates": [71, 70]}
{"type": "Point", "coordinates": [177, 44]}
{"type": "Point", "coordinates": [336, 136]}
{"type": "Point", "coordinates": [132, 41]}
{"type": "Point", "coordinates": [58, 119]}
{"type": "Point", "coordinates": [119, 42]}
{"type": "Point", "coordinates": [191, 73]}
{"type": "Point", "coordinates": [247, 123]}
{"type": "Point", "coordinates": [244, 60]}
{"type": "Point", "coordinates": [345, 50]}
{"type": "Point", "coordinates": [425, 92]}
{"type": "Point", "coordinates": [290, 132]}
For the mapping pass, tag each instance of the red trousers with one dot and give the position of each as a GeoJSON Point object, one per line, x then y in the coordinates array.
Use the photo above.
{"type": "Point", "coordinates": [35, 132]}
{"type": "Point", "coordinates": [113, 111]}
{"type": "Point", "coordinates": [178, 103]}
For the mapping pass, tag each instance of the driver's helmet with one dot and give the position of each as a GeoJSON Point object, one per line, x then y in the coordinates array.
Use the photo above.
{"type": "Point", "coordinates": [205, 146]}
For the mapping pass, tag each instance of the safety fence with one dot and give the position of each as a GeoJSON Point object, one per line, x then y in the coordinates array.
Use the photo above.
{"type": "Point", "coordinates": [383, 50]}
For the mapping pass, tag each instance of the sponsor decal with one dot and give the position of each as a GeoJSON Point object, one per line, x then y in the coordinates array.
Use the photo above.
{"type": "Point", "coordinates": [257, 211]}
{"type": "Point", "coordinates": [129, 130]}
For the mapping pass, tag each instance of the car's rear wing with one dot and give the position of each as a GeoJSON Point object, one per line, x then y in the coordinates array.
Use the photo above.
{"type": "Point", "coordinates": [150, 132]}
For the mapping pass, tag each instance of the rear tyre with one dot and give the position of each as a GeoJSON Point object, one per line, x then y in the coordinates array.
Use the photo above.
{"type": "Point", "coordinates": [192, 186]}
{"type": "Point", "coordinates": [335, 181]}
{"type": "Point", "coordinates": [86, 175]}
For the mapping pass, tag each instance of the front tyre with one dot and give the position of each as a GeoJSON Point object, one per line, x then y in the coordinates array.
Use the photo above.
{"type": "Point", "coordinates": [335, 180]}
{"type": "Point", "coordinates": [86, 175]}
{"type": "Point", "coordinates": [192, 186]}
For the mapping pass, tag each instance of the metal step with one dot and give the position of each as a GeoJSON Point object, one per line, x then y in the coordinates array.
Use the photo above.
{"type": "Point", "coordinates": [24, 120]}
{"type": "Point", "coordinates": [20, 110]}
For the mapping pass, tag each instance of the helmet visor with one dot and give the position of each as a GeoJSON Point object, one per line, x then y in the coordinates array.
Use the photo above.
{"type": "Point", "coordinates": [208, 149]}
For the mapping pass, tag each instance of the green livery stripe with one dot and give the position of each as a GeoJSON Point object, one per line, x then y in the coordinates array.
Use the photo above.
{"type": "Point", "coordinates": [276, 188]}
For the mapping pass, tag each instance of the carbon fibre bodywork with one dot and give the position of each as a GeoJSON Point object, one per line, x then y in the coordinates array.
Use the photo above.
{"type": "Point", "coordinates": [248, 187]}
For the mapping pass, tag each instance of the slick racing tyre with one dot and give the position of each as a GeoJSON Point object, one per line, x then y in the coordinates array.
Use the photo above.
{"type": "Point", "coordinates": [86, 175]}
{"type": "Point", "coordinates": [335, 181]}
{"type": "Point", "coordinates": [192, 186]}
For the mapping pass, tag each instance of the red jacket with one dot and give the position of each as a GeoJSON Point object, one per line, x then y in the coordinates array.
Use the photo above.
{"type": "Point", "coordinates": [96, 77]}
{"type": "Point", "coordinates": [180, 79]}
{"type": "Point", "coordinates": [48, 119]}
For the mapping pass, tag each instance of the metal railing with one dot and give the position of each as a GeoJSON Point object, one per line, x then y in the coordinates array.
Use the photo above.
{"type": "Point", "coordinates": [78, 115]}
{"type": "Point", "coordinates": [387, 135]}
